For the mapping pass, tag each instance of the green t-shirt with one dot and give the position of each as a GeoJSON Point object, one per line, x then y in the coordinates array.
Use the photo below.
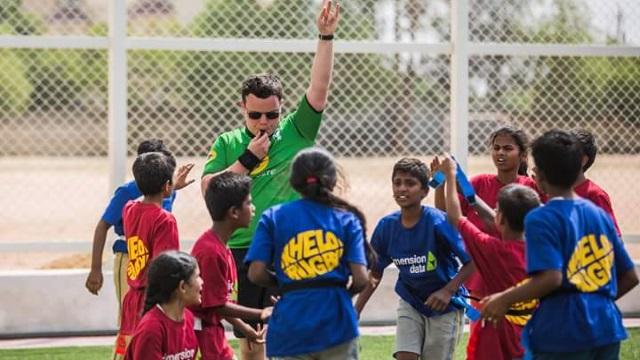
{"type": "Point", "coordinates": [270, 179]}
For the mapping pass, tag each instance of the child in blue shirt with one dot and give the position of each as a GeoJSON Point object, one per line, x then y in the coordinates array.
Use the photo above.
{"type": "Point", "coordinates": [315, 245]}
{"type": "Point", "coordinates": [576, 261]}
{"type": "Point", "coordinates": [112, 216]}
{"type": "Point", "coordinates": [428, 252]}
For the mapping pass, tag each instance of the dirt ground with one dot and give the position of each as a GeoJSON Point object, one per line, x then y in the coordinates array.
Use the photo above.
{"type": "Point", "coordinates": [61, 199]}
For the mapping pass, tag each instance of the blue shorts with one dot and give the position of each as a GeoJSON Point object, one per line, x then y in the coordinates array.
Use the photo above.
{"type": "Point", "coordinates": [119, 246]}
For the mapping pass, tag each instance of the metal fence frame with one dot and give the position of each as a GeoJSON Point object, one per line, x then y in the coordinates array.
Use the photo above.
{"type": "Point", "coordinates": [460, 49]}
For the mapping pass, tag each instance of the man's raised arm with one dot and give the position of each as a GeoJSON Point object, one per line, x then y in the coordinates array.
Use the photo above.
{"type": "Point", "coordinates": [323, 61]}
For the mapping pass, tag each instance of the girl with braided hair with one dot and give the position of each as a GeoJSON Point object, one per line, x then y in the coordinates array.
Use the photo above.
{"type": "Point", "coordinates": [315, 244]}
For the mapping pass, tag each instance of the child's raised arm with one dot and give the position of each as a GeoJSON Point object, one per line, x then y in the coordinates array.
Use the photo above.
{"type": "Point", "coordinates": [453, 207]}
{"type": "Point", "coordinates": [452, 203]}
{"type": "Point", "coordinates": [486, 213]}
{"type": "Point", "coordinates": [439, 193]}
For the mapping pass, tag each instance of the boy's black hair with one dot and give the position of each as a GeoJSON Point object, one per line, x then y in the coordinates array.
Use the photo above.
{"type": "Point", "coordinates": [558, 156]}
{"type": "Point", "coordinates": [164, 276]}
{"type": "Point", "coordinates": [589, 147]}
{"type": "Point", "coordinates": [225, 191]}
{"type": "Point", "coordinates": [152, 171]}
{"type": "Point", "coordinates": [413, 167]}
{"type": "Point", "coordinates": [515, 201]}
{"type": "Point", "coordinates": [520, 138]}
{"type": "Point", "coordinates": [314, 174]}
{"type": "Point", "coordinates": [262, 86]}
{"type": "Point", "coordinates": [155, 145]}
{"type": "Point", "coordinates": [151, 145]}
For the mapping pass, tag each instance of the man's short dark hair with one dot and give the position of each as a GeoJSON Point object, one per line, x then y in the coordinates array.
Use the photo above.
{"type": "Point", "coordinates": [262, 86]}
{"type": "Point", "coordinates": [515, 201]}
{"type": "Point", "coordinates": [225, 191]}
{"type": "Point", "coordinates": [152, 171]}
{"type": "Point", "coordinates": [558, 156]}
{"type": "Point", "coordinates": [413, 167]}
{"type": "Point", "coordinates": [589, 147]}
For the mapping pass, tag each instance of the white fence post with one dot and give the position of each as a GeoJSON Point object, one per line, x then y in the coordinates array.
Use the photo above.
{"type": "Point", "coordinates": [117, 92]}
{"type": "Point", "coordinates": [460, 80]}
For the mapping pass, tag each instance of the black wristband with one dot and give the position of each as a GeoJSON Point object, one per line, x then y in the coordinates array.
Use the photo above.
{"type": "Point", "coordinates": [325, 37]}
{"type": "Point", "coordinates": [249, 160]}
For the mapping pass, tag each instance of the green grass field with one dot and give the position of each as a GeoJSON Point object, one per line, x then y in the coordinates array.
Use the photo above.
{"type": "Point", "coordinates": [371, 348]}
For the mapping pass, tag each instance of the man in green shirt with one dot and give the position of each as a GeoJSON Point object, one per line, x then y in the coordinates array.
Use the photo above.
{"type": "Point", "coordinates": [265, 147]}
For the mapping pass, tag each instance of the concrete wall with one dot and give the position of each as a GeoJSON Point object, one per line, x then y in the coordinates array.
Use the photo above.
{"type": "Point", "coordinates": [49, 302]}
{"type": "Point", "coordinates": [54, 301]}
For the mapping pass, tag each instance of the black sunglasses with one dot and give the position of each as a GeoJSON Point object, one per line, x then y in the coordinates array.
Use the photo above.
{"type": "Point", "coordinates": [271, 115]}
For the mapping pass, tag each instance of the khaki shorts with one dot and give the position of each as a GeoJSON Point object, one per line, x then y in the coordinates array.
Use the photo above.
{"type": "Point", "coordinates": [430, 338]}
{"type": "Point", "coordinates": [344, 351]}
{"type": "Point", "coordinates": [120, 263]}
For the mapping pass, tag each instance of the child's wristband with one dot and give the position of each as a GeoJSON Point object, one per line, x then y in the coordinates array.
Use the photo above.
{"type": "Point", "coordinates": [437, 180]}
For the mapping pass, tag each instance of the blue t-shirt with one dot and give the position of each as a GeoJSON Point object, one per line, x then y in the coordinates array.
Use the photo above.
{"type": "Point", "coordinates": [427, 255]}
{"type": "Point", "coordinates": [308, 241]}
{"type": "Point", "coordinates": [124, 193]}
{"type": "Point", "coordinates": [578, 239]}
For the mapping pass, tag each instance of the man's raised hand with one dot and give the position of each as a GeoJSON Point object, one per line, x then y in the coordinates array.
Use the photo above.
{"type": "Point", "coordinates": [328, 18]}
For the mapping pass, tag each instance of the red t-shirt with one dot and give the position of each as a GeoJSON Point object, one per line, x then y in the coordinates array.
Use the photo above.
{"type": "Point", "coordinates": [501, 265]}
{"type": "Point", "coordinates": [487, 187]}
{"type": "Point", "coordinates": [149, 230]}
{"type": "Point", "coordinates": [594, 193]}
{"type": "Point", "coordinates": [220, 285]}
{"type": "Point", "coordinates": [159, 337]}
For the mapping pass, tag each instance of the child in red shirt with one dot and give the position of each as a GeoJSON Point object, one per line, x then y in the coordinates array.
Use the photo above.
{"type": "Point", "coordinates": [228, 199]}
{"type": "Point", "coordinates": [166, 329]}
{"type": "Point", "coordinates": [509, 152]}
{"type": "Point", "coordinates": [149, 231]}
{"type": "Point", "coordinates": [499, 261]}
{"type": "Point", "coordinates": [586, 188]}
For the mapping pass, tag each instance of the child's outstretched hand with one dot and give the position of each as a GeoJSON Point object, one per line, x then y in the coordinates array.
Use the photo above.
{"type": "Point", "coordinates": [435, 165]}
{"type": "Point", "coordinates": [255, 336]}
{"type": "Point", "coordinates": [448, 166]}
{"type": "Point", "coordinates": [439, 300]}
{"type": "Point", "coordinates": [266, 313]}
{"type": "Point", "coordinates": [180, 181]}
{"type": "Point", "coordinates": [493, 309]}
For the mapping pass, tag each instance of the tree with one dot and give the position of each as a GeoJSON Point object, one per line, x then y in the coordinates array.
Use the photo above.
{"type": "Point", "coordinates": [14, 21]}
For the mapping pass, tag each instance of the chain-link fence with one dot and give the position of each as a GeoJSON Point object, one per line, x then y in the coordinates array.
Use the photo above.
{"type": "Point", "coordinates": [533, 64]}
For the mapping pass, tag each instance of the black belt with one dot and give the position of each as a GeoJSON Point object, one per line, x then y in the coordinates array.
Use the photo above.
{"type": "Point", "coordinates": [312, 284]}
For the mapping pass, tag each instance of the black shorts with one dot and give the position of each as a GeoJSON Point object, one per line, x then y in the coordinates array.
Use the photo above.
{"type": "Point", "coordinates": [249, 294]}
